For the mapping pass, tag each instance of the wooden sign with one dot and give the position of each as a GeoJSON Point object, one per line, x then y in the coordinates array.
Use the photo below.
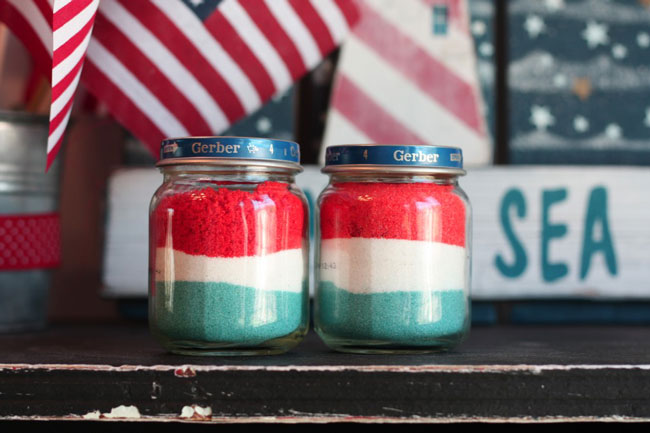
{"type": "Point", "coordinates": [539, 232]}
{"type": "Point", "coordinates": [554, 232]}
{"type": "Point", "coordinates": [557, 232]}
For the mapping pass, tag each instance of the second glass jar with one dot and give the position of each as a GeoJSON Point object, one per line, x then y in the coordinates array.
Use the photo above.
{"type": "Point", "coordinates": [393, 259]}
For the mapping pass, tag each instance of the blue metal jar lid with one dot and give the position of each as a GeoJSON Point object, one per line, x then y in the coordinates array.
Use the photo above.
{"type": "Point", "coordinates": [439, 159]}
{"type": "Point", "coordinates": [230, 151]}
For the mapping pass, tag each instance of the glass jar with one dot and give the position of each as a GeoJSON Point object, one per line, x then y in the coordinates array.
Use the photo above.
{"type": "Point", "coordinates": [228, 247]}
{"type": "Point", "coordinates": [393, 260]}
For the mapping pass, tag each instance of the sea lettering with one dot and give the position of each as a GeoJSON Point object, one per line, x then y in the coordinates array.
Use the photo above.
{"type": "Point", "coordinates": [513, 198]}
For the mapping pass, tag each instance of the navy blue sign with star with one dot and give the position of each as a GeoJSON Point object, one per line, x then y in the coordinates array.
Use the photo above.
{"type": "Point", "coordinates": [579, 81]}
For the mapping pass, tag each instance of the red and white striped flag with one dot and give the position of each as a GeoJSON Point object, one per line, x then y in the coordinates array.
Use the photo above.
{"type": "Point", "coordinates": [407, 74]}
{"type": "Point", "coordinates": [167, 68]}
{"type": "Point", "coordinates": [57, 33]}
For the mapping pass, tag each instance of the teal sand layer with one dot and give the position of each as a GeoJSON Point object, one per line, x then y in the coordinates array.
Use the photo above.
{"type": "Point", "coordinates": [402, 318]}
{"type": "Point", "coordinates": [226, 313]}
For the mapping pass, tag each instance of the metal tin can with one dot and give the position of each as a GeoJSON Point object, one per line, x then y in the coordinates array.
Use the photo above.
{"type": "Point", "coordinates": [393, 258]}
{"type": "Point", "coordinates": [228, 247]}
{"type": "Point", "coordinates": [29, 221]}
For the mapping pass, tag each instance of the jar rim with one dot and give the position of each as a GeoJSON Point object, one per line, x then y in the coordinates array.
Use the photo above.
{"type": "Point", "coordinates": [244, 164]}
{"type": "Point", "coordinates": [387, 169]}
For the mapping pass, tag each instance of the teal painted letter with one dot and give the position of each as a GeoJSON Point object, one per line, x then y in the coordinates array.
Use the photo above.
{"type": "Point", "coordinates": [552, 271]}
{"type": "Point", "coordinates": [597, 212]}
{"type": "Point", "coordinates": [513, 197]}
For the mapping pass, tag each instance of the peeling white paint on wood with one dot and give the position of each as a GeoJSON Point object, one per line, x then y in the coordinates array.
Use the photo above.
{"type": "Point", "coordinates": [121, 411]}
{"type": "Point", "coordinates": [196, 412]}
{"type": "Point", "coordinates": [92, 415]}
{"type": "Point", "coordinates": [336, 418]}
{"type": "Point", "coordinates": [473, 369]}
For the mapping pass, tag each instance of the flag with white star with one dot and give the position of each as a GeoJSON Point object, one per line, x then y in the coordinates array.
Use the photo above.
{"type": "Point", "coordinates": [273, 120]}
{"type": "Point", "coordinates": [579, 81]}
{"type": "Point", "coordinates": [170, 68]}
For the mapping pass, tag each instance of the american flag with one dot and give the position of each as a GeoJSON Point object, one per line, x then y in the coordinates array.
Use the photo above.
{"type": "Point", "coordinates": [407, 74]}
{"type": "Point", "coordinates": [168, 68]}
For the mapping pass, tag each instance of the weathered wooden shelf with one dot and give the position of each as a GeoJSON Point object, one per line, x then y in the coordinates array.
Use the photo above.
{"type": "Point", "coordinates": [500, 373]}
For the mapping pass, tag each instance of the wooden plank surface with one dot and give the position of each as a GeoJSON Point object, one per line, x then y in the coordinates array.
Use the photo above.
{"type": "Point", "coordinates": [500, 373]}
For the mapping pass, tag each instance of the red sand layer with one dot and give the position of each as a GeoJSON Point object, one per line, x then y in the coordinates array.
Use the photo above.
{"type": "Point", "coordinates": [411, 211]}
{"type": "Point", "coordinates": [231, 223]}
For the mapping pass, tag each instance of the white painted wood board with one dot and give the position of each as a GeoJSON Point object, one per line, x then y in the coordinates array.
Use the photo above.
{"type": "Point", "coordinates": [626, 211]}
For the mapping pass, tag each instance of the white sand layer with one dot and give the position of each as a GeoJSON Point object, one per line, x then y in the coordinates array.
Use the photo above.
{"type": "Point", "coordinates": [283, 271]}
{"type": "Point", "coordinates": [369, 265]}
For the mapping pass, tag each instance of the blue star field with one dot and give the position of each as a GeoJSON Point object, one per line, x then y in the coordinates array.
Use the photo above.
{"type": "Point", "coordinates": [579, 81]}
